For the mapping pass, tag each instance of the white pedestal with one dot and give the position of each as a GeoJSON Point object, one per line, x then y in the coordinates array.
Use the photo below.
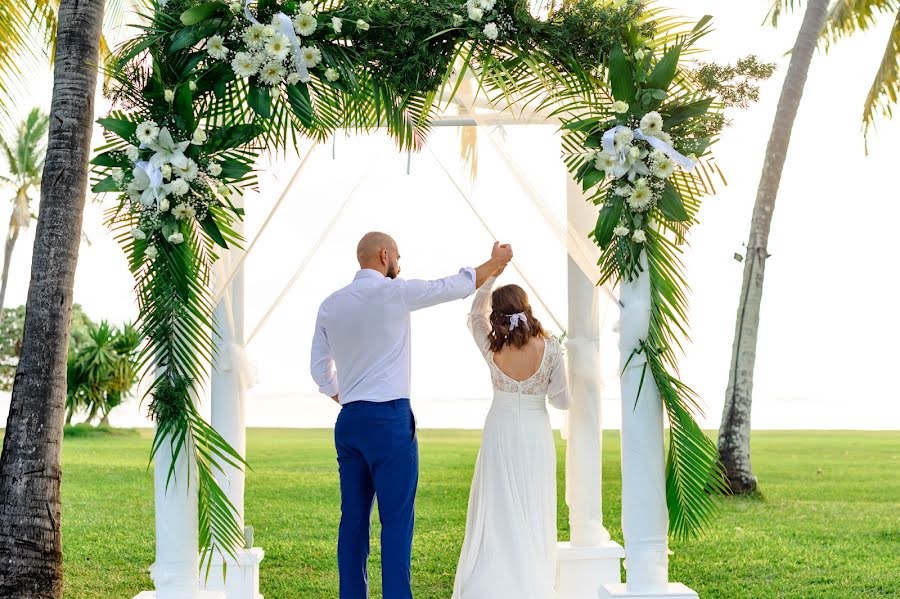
{"type": "Point", "coordinates": [581, 571]}
{"type": "Point", "coordinates": [198, 595]}
{"type": "Point", "coordinates": [674, 590]}
{"type": "Point", "coordinates": [241, 579]}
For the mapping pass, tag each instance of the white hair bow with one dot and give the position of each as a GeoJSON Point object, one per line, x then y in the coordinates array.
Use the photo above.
{"type": "Point", "coordinates": [515, 319]}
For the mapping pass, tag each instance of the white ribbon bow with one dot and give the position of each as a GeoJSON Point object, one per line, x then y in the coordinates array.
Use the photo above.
{"type": "Point", "coordinates": [283, 23]}
{"type": "Point", "coordinates": [609, 147]}
{"type": "Point", "coordinates": [515, 319]}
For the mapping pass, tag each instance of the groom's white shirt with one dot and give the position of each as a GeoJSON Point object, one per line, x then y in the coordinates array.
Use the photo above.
{"type": "Point", "coordinates": [360, 348]}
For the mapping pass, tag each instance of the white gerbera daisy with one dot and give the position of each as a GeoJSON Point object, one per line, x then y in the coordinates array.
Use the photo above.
{"type": "Point", "coordinates": [272, 73]}
{"type": "Point", "coordinates": [147, 131]}
{"type": "Point", "coordinates": [605, 161]}
{"type": "Point", "coordinates": [662, 167]}
{"type": "Point", "coordinates": [244, 65]}
{"type": "Point", "coordinates": [255, 36]}
{"type": "Point", "coordinates": [305, 24]}
{"type": "Point", "coordinates": [332, 74]}
{"type": "Point", "coordinates": [214, 169]}
{"type": "Point", "coordinates": [490, 31]}
{"type": "Point", "coordinates": [641, 196]}
{"type": "Point", "coordinates": [133, 153]}
{"type": "Point", "coordinates": [176, 238]}
{"type": "Point", "coordinates": [278, 47]}
{"type": "Point", "coordinates": [620, 107]}
{"type": "Point", "coordinates": [184, 211]}
{"type": "Point", "coordinates": [651, 124]}
{"type": "Point", "coordinates": [311, 56]}
{"type": "Point", "coordinates": [639, 236]}
{"type": "Point", "coordinates": [621, 231]}
{"type": "Point", "coordinates": [215, 47]}
{"type": "Point", "coordinates": [362, 25]}
{"type": "Point", "coordinates": [138, 234]}
{"type": "Point", "coordinates": [337, 24]}
{"type": "Point", "coordinates": [307, 8]}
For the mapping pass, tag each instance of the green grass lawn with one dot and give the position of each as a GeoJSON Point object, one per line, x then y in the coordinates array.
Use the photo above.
{"type": "Point", "coordinates": [827, 523]}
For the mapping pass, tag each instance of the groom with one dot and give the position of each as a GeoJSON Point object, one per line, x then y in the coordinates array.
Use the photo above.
{"type": "Point", "coordinates": [361, 359]}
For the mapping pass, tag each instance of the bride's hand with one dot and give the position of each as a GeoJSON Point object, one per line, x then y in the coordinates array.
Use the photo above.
{"type": "Point", "coordinates": [499, 271]}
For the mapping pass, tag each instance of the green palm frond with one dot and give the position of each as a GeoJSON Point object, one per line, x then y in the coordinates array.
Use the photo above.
{"type": "Point", "coordinates": [885, 89]}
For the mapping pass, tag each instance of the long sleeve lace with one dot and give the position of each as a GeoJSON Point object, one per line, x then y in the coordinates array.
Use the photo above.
{"type": "Point", "coordinates": [479, 322]}
{"type": "Point", "coordinates": [558, 388]}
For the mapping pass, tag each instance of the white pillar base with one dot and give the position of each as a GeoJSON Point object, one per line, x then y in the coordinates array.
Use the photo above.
{"type": "Point", "coordinates": [581, 571]}
{"type": "Point", "coordinates": [198, 595]}
{"type": "Point", "coordinates": [241, 580]}
{"type": "Point", "coordinates": [674, 590]}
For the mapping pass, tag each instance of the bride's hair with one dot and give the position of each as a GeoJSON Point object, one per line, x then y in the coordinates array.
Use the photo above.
{"type": "Point", "coordinates": [505, 302]}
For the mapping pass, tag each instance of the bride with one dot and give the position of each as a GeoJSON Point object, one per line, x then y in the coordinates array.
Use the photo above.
{"type": "Point", "coordinates": [509, 551]}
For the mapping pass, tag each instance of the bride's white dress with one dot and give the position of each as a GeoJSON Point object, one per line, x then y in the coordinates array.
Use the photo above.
{"type": "Point", "coordinates": [509, 551]}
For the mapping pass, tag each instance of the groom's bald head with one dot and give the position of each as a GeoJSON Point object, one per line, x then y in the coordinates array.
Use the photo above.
{"type": "Point", "coordinates": [378, 251]}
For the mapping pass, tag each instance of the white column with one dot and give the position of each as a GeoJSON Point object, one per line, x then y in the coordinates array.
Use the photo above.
{"type": "Point", "coordinates": [228, 385]}
{"type": "Point", "coordinates": [591, 558]}
{"type": "Point", "coordinates": [645, 518]}
{"type": "Point", "coordinates": [175, 573]}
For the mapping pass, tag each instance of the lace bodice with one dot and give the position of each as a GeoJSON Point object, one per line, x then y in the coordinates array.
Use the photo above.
{"type": "Point", "coordinates": [550, 377]}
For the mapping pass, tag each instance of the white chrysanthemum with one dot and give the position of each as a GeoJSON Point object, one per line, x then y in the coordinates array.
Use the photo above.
{"type": "Point", "coordinates": [133, 153]}
{"type": "Point", "coordinates": [307, 8]}
{"type": "Point", "coordinates": [151, 252]}
{"type": "Point", "coordinates": [147, 131]}
{"type": "Point", "coordinates": [163, 205]}
{"type": "Point", "coordinates": [605, 161]}
{"type": "Point", "coordinates": [179, 187]}
{"type": "Point", "coordinates": [176, 238]}
{"type": "Point", "coordinates": [651, 124]}
{"type": "Point", "coordinates": [199, 138]}
{"type": "Point", "coordinates": [278, 47]}
{"type": "Point", "coordinates": [639, 236]}
{"type": "Point", "coordinates": [138, 234]}
{"type": "Point", "coordinates": [190, 172]}
{"type": "Point", "coordinates": [305, 24]}
{"type": "Point", "coordinates": [362, 25]}
{"type": "Point", "coordinates": [117, 174]}
{"type": "Point", "coordinates": [214, 169]}
{"type": "Point", "coordinates": [622, 138]}
{"type": "Point", "coordinates": [255, 36]}
{"type": "Point", "coordinates": [244, 65]}
{"type": "Point", "coordinates": [457, 20]}
{"type": "Point", "coordinates": [337, 24]}
{"type": "Point", "coordinates": [311, 56]}
{"type": "Point", "coordinates": [293, 78]}
{"type": "Point", "coordinates": [184, 211]}
{"type": "Point", "coordinates": [641, 196]}
{"type": "Point", "coordinates": [620, 107]}
{"type": "Point", "coordinates": [662, 167]}
{"type": "Point", "coordinates": [332, 74]}
{"type": "Point", "coordinates": [490, 31]}
{"type": "Point", "coordinates": [272, 73]}
{"type": "Point", "coordinates": [475, 13]}
{"type": "Point", "coordinates": [621, 231]}
{"type": "Point", "coordinates": [169, 96]}
{"type": "Point", "coordinates": [215, 47]}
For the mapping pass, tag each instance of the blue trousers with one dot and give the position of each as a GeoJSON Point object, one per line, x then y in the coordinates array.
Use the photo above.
{"type": "Point", "coordinates": [378, 456]}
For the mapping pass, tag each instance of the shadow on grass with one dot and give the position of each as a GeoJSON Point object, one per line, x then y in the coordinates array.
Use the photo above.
{"type": "Point", "coordinates": [84, 430]}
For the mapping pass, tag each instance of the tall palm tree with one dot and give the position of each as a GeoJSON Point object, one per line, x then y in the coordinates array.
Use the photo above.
{"type": "Point", "coordinates": [25, 156]}
{"type": "Point", "coordinates": [734, 432]}
{"type": "Point", "coordinates": [30, 534]}
{"type": "Point", "coordinates": [846, 17]}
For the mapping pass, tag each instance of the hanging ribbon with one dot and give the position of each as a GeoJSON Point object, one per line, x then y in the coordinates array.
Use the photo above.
{"type": "Point", "coordinates": [283, 24]}
{"type": "Point", "coordinates": [609, 146]}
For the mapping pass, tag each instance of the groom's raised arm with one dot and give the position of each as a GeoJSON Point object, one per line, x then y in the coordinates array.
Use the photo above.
{"type": "Point", "coordinates": [321, 364]}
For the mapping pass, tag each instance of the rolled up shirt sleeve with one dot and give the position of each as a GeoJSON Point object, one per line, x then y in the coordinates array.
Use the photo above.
{"type": "Point", "coordinates": [322, 366]}
{"type": "Point", "coordinates": [420, 294]}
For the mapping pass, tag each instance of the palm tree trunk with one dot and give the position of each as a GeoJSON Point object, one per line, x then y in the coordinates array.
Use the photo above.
{"type": "Point", "coordinates": [11, 238]}
{"type": "Point", "coordinates": [30, 539]}
{"type": "Point", "coordinates": [734, 433]}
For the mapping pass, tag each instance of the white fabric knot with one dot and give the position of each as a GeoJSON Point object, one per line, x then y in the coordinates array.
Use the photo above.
{"type": "Point", "coordinates": [515, 319]}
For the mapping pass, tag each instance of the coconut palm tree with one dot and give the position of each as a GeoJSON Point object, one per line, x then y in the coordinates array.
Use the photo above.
{"type": "Point", "coordinates": [25, 155]}
{"type": "Point", "coordinates": [30, 539]}
{"type": "Point", "coordinates": [734, 432]}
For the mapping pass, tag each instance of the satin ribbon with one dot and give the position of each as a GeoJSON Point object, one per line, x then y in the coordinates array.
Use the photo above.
{"type": "Point", "coordinates": [609, 147]}
{"type": "Point", "coordinates": [283, 23]}
{"type": "Point", "coordinates": [515, 319]}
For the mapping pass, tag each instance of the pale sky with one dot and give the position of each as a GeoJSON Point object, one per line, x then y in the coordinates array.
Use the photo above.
{"type": "Point", "coordinates": [826, 344]}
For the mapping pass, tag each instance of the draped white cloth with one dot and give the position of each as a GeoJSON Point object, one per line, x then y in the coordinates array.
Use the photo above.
{"type": "Point", "coordinates": [509, 551]}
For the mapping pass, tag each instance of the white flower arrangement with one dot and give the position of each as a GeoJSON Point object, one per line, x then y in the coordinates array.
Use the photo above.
{"type": "Point", "coordinates": [146, 132]}
{"type": "Point", "coordinates": [278, 46]}
{"type": "Point", "coordinates": [244, 65]}
{"type": "Point", "coordinates": [215, 47]}
{"type": "Point", "coordinates": [311, 56]}
{"type": "Point", "coordinates": [305, 24]}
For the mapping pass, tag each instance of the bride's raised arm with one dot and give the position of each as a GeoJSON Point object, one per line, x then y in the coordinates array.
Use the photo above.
{"type": "Point", "coordinates": [479, 323]}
